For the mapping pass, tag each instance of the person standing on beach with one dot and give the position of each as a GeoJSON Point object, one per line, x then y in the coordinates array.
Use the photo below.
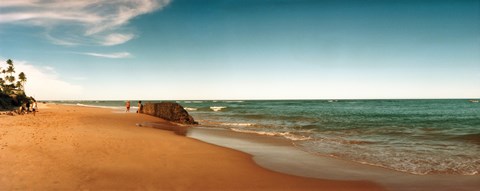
{"type": "Point", "coordinates": [34, 105]}
{"type": "Point", "coordinates": [128, 106]}
{"type": "Point", "coordinates": [140, 106]}
{"type": "Point", "coordinates": [28, 106]}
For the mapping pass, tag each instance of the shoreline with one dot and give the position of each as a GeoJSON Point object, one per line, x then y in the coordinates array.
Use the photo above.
{"type": "Point", "coordinates": [79, 148]}
{"type": "Point", "coordinates": [280, 155]}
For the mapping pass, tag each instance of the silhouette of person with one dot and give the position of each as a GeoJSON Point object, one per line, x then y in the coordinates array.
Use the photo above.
{"type": "Point", "coordinates": [140, 107]}
{"type": "Point", "coordinates": [127, 105]}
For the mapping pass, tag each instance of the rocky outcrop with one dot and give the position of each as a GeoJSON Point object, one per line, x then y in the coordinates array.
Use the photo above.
{"type": "Point", "coordinates": [169, 111]}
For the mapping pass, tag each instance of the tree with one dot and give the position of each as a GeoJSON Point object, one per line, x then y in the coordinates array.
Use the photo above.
{"type": "Point", "coordinates": [19, 85]}
{"type": "Point", "coordinates": [10, 71]}
{"type": "Point", "coordinates": [2, 81]}
{"type": "Point", "coordinates": [2, 84]}
{"type": "Point", "coordinates": [8, 81]}
{"type": "Point", "coordinates": [23, 79]}
{"type": "Point", "coordinates": [11, 79]}
{"type": "Point", "coordinates": [10, 62]}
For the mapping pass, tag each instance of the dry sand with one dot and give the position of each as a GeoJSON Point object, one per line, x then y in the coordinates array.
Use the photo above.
{"type": "Point", "coordinates": [80, 148]}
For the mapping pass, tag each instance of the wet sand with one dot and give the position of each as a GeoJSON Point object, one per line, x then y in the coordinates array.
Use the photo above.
{"type": "Point", "coordinates": [279, 154]}
{"type": "Point", "coordinates": [80, 148]}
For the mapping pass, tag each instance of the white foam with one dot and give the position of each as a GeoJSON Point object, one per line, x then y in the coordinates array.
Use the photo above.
{"type": "Point", "coordinates": [286, 135]}
{"type": "Point", "coordinates": [217, 108]}
{"type": "Point", "coordinates": [99, 106]}
{"type": "Point", "coordinates": [238, 124]}
{"type": "Point", "coordinates": [418, 162]}
{"type": "Point", "coordinates": [190, 108]}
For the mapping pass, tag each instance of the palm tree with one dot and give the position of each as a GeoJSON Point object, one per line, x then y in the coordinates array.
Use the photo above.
{"type": "Point", "coordinates": [10, 62]}
{"type": "Point", "coordinates": [23, 79]}
{"type": "Point", "coordinates": [11, 79]}
{"type": "Point", "coordinates": [3, 71]}
{"type": "Point", "coordinates": [8, 81]}
{"type": "Point", "coordinates": [1, 80]}
{"type": "Point", "coordinates": [2, 83]}
{"type": "Point", "coordinates": [19, 85]}
{"type": "Point", "coordinates": [10, 68]}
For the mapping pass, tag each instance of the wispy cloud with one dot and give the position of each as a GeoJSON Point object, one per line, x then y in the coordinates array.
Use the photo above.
{"type": "Point", "coordinates": [79, 22]}
{"type": "Point", "coordinates": [116, 38]}
{"type": "Point", "coordinates": [110, 55]}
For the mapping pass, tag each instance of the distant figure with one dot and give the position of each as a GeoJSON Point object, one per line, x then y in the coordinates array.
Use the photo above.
{"type": "Point", "coordinates": [34, 107]}
{"type": "Point", "coordinates": [140, 106]}
{"type": "Point", "coordinates": [128, 106]}
{"type": "Point", "coordinates": [28, 106]}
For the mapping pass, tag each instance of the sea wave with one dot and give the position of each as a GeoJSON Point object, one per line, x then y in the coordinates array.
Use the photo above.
{"type": "Point", "coordinates": [344, 141]}
{"type": "Point", "coordinates": [427, 165]}
{"type": "Point", "coordinates": [414, 136]}
{"type": "Point", "coordinates": [238, 124]}
{"type": "Point", "coordinates": [105, 107]}
{"type": "Point", "coordinates": [286, 135]}
{"type": "Point", "coordinates": [217, 108]}
{"type": "Point", "coordinates": [190, 108]}
{"type": "Point", "coordinates": [419, 162]}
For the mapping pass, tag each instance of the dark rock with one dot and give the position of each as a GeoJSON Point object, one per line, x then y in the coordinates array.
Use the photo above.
{"type": "Point", "coordinates": [169, 111]}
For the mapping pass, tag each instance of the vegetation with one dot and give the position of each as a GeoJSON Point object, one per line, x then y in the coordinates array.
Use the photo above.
{"type": "Point", "coordinates": [12, 91]}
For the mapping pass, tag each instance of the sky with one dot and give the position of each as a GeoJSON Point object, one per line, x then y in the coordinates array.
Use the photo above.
{"type": "Point", "coordinates": [249, 49]}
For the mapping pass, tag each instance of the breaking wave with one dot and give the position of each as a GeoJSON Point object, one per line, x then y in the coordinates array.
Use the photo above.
{"type": "Point", "coordinates": [238, 124]}
{"type": "Point", "coordinates": [286, 135]}
{"type": "Point", "coordinates": [190, 108]}
{"type": "Point", "coordinates": [217, 108]}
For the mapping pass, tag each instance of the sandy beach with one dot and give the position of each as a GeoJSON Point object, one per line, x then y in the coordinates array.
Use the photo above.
{"type": "Point", "coordinates": [81, 148]}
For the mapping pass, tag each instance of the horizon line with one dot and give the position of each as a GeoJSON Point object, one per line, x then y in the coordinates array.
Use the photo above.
{"type": "Point", "coordinates": [300, 99]}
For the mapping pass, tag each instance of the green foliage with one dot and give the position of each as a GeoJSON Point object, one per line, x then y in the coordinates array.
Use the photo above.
{"type": "Point", "coordinates": [6, 102]}
{"type": "Point", "coordinates": [12, 92]}
{"type": "Point", "coordinates": [22, 79]}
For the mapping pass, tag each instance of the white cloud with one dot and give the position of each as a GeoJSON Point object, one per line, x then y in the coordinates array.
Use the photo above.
{"type": "Point", "coordinates": [111, 55]}
{"type": "Point", "coordinates": [44, 83]}
{"type": "Point", "coordinates": [117, 38]}
{"type": "Point", "coordinates": [79, 22]}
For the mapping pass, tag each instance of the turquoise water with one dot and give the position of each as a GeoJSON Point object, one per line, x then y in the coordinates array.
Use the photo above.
{"type": "Point", "coordinates": [413, 136]}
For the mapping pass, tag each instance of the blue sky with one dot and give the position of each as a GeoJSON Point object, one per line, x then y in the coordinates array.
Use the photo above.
{"type": "Point", "coordinates": [249, 49]}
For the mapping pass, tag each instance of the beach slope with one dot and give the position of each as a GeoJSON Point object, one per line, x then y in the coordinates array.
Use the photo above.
{"type": "Point", "coordinates": [81, 148]}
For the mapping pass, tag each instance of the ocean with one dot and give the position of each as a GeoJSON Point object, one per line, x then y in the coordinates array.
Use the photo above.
{"type": "Point", "coordinates": [413, 136]}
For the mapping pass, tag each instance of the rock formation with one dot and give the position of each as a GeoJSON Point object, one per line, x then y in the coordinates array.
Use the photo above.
{"type": "Point", "coordinates": [169, 111]}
